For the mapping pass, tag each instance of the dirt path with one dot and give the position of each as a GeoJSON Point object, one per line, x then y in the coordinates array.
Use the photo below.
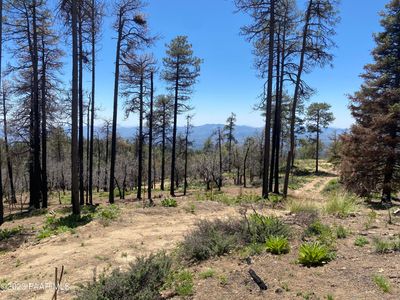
{"type": "Point", "coordinates": [138, 232]}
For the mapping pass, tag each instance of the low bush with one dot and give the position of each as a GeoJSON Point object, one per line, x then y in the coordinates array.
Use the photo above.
{"type": "Point", "coordinates": [314, 254]}
{"type": "Point", "coordinates": [277, 245]}
{"type": "Point", "coordinates": [209, 273]}
{"type": "Point", "coordinates": [382, 246]}
{"type": "Point", "coordinates": [144, 280]}
{"type": "Point", "coordinates": [341, 205]}
{"type": "Point", "coordinates": [169, 202]}
{"type": "Point", "coordinates": [322, 233]}
{"type": "Point", "coordinates": [212, 238]}
{"type": "Point", "coordinates": [106, 214]}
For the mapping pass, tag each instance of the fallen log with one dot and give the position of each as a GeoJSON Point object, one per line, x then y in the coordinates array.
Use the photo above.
{"type": "Point", "coordinates": [261, 284]}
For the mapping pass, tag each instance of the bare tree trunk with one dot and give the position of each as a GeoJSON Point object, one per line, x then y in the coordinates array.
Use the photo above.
{"type": "Point", "coordinates": [98, 165]}
{"type": "Point", "coordinates": [317, 147]}
{"type": "Point", "coordinates": [1, 59]}
{"type": "Point", "coordinates": [141, 138]}
{"type": "Point", "coordinates": [295, 100]}
{"type": "Point", "coordinates": [74, 115]}
{"type": "Point", "coordinates": [44, 130]}
{"type": "Point", "coordinates": [185, 184]}
{"type": "Point", "coordinates": [13, 198]}
{"type": "Point", "coordinates": [115, 112]}
{"type": "Point", "coordinates": [267, 141]}
{"type": "Point", "coordinates": [220, 159]}
{"type": "Point", "coordinates": [93, 29]}
{"type": "Point", "coordinates": [149, 169]}
{"type": "Point", "coordinates": [81, 184]}
{"type": "Point", "coordinates": [164, 125]}
{"type": "Point", "coordinates": [173, 154]}
{"type": "Point", "coordinates": [245, 165]}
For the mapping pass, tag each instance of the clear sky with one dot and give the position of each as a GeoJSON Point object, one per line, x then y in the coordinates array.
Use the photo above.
{"type": "Point", "coordinates": [228, 81]}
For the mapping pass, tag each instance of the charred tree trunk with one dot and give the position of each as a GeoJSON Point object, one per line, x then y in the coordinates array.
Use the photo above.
{"type": "Point", "coordinates": [141, 138]}
{"type": "Point", "coordinates": [74, 115]}
{"type": "Point", "coordinates": [267, 142]}
{"type": "Point", "coordinates": [149, 169]}
{"type": "Point", "coordinates": [80, 87]}
{"type": "Point", "coordinates": [44, 131]}
{"type": "Point", "coordinates": [173, 154]}
{"type": "Point", "coordinates": [164, 125]}
{"type": "Point", "coordinates": [185, 183]}
{"type": "Point", "coordinates": [290, 156]}
{"type": "Point", "coordinates": [115, 111]}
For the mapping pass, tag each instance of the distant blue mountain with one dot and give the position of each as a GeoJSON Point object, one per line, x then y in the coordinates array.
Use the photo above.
{"type": "Point", "coordinates": [199, 134]}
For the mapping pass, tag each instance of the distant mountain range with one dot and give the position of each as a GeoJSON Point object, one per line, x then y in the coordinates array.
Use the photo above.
{"type": "Point", "coordinates": [199, 134]}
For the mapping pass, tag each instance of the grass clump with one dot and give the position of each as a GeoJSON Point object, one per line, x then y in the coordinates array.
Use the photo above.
{"type": "Point", "coordinates": [277, 245]}
{"type": "Point", "coordinates": [314, 254]}
{"type": "Point", "coordinates": [296, 207]}
{"type": "Point", "coordinates": [181, 282]}
{"type": "Point", "coordinates": [361, 241]}
{"type": "Point", "coordinates": [382, 246]}
{"type": "Point", "coordinates": [8, 233]}
{"type": "Point", "coordinates": [382, 283]}
{"type": "Point", "coordinates": [341, 232]}
{"type": "Point", "coordinates": [169, 202]}
{"type": "Point", "coordinates": [341, 205]}
{"type": "Point", "coordinates": [333, 186]}
{"type": "Point", "coordinates": [54, 225]}
{"type": "Point", "coordinates": [144, 280]}
{"type": "Point", "coordinates": [209, 273]}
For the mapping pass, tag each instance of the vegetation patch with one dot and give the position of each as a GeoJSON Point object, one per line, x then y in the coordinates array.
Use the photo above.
{"type": "Point", "coordinates": [9, 233]}
{"type": "Point", "coordinates": [54, 225]}
{"type": "Point", "coordinates": [277, 245]}
{"type": "Point", "coordinates": [181, 282]}
{"type": "Point", "coordinates": [361, 241]}
{"type": "Point", "coordinates": [341, 205]}
{"type": "Point", "coordinates": [262, 227]}
{"type": "Point", "coordinates": [333, 186]}
{"type": "Point", "coordinates": [144, 280]}
{"type": "Point", "coordinates": [321, 233]}
{"type": "Point", "coordinates": [169, 202]}
{"type": "Point", "coordinates": [296, 207]}
{"type": "Point", "coordinates": [209, 273]}
{"type": "Point", "coordinates": [382, 283]}
{"type": "Point", "coordinates": [314, 254]}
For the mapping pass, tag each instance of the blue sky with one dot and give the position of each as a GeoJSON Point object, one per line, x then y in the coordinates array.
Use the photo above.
{"type": "Point", "coordinates": [228, 81]}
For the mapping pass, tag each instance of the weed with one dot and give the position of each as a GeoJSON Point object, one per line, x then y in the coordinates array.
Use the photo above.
{"type": "Point", "coordinates": [371, 218]}
{"type": "Point", "coordinates": [277, 245]}
{"type": "Point", "coordinates": [333, 186]}
{"type": "Point", "coordinates": [209, 273]}
{"type": "Point", "coordinates": [382, 283]}
{"type": "Point", "coordinates": [107, 214]}
{"type": "Point", "coordinates": [322, 232]}
{"type": "Point", "coordinates": [341, 232]}
{"type": "Point", "coordinates": [169, 202]}
{"type": "Point", "coordinates": [223, 279]}
{"type": "Point", "coordinates": [181, 282]}
{"type": "Point", "coordinates": [8, 233]}
{"type": "Point", "coordinates": [314, 254]}
{"type": "Point", "coordinates": [4, 284]}
{"type": "Point", "coordinates": [262, 227]}
{"type": "Point", "coordinates": [361, 241]}
{"type": "Point", "coordinates": [296, 207]}
{"type": "Point", "coordinates": [54, 225]}
{"type": "Point", "coordinates": [382, 246]}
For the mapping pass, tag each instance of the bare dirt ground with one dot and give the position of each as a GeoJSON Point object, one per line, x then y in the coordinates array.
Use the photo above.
{"type": "Point", "coordinates": [94, 248]}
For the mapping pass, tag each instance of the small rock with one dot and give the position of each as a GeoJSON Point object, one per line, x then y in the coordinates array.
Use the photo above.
{"type": "Point", "coordinates": [279, 291]}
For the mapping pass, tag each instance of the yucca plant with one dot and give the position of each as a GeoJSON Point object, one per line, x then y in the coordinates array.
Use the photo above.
{"type": "Point", "coordinates": [277, 245]}
{"type": "Point", "coordinates": [314, 254]}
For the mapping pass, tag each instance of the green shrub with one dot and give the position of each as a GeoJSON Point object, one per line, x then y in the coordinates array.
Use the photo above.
{"type": "Point", "coordinates": [382, 283]}
{"type": "Point", "coordinates": [169, 202]}
{"type": "Point", "coordinates": [361, 241]}
{"type": "Point", "coordinates": [341, 232]}
{"type": "Point", "coordinates": [212, 238]}
{"type": "Point", "coordinates": [107, 214]}
{"type": "Point", "coordinates": [322, 232]}
{"type": "Point", "coordinates": [341, 205]}
{"type": "Point", "coordinates": [314, 254]}
{"type": "Point", "coordinates": [54, 225]}
{"type": "Point", "coordinates": [8, 233]}
{"type": "Point", "coordinates": [144, 280]}
{"type": "Point", "coordinates": [181, 282]}
{"type": "Point", "coordinates": [296, 207]}
{"type": "Point", "coordinates": [382, 246]}
{"type": "Point", "coordinates": [262, 227]}
{"type": "Point", "coordinates": [277, 245]}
